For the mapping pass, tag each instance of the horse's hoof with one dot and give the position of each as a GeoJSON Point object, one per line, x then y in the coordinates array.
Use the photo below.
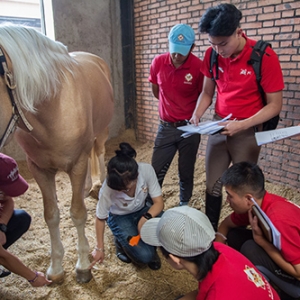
{"type": "Point", "coordinates": [83, 276]}
{"type": "Point", "coordinates": [57, 278]}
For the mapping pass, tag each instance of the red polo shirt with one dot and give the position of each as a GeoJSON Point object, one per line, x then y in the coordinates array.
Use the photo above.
{"type": "Point", "coordinates": [234, 277]}
{"type": "Point", "coordinates": [179, 88]}
{"type": "Point", "coordinates": [285, 216]}
{"type": "Point", "coordinates": [237, 87]}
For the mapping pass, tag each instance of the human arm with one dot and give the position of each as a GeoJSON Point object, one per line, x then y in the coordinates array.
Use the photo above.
{"type": "Point", "coordinates": [13, 264]}
{"type": "Point", "coordinates": [271, 250]}
{"type": "Point", "coordinates": [98, 252]}
{"type": "Point", "coordinates": [223, 229]}
{"type": "Point", "coordinates": [6, 211]}
{"type": "Point", "coordinates": [273, 108]}
{"type": "Point", "coordinates": [204, 100]}
{"type": "Point", "coordinates": [154, 210]}
{"type": "Point", "coordinates": [155, 90]}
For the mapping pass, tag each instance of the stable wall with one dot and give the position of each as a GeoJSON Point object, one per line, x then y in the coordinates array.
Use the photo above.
{"type": "Point", "coordinates": [277, 21]}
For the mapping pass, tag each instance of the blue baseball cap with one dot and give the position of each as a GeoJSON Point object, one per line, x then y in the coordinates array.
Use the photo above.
{"type": "Point", "coordinates": [181, 38]}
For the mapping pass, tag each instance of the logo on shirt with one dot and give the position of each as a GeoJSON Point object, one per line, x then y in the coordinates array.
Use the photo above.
{"type": "Point", "coordinates": [254, 277]}
{"type": "Point", "coordinates": [188, 78]}
{"type": "Point", "coordinates": [245, 72]}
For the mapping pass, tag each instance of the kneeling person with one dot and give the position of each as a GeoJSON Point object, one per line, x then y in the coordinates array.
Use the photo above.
{"type": "Point", "coordinates": [186, 238]}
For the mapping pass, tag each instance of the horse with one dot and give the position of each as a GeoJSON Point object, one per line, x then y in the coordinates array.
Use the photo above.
{"type": "Point", "coordinates": [58, 106]}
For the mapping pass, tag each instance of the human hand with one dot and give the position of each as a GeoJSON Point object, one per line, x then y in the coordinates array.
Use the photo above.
{"type": "Point", "coordinates": [98, 256]}
{"type": "Point", "coordinates": [194, 120]}
{"type": "Point", "coordinates": [231, 127]}
{"type": "Point", "coordinates": [40, 280]}
{"type": "Point", "coordinates": [257, 233]}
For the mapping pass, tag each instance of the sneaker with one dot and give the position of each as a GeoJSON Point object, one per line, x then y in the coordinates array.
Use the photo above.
{"type": "Point", "coordinates": [183, 203]}
{"type": "Point", "coordinates": [4, 272]}
{"type": "Point", "coordinates": [155, 264]}
{"type": "Point", "coordinates": [121, 255]}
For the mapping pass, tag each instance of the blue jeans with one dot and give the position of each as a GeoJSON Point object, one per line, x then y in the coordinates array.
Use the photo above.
{"type": "Point", "coordinates": [124, 226]}
{"type": "Point", "coordinates": [17, 226]}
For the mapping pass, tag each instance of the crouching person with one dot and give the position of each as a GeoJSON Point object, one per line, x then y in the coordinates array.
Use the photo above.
{"type": "Point", "coordinates": [122, 204]}
{"type": "Point", "coordinates": [186, 238]}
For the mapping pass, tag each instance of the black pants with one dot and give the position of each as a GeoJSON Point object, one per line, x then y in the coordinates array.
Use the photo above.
{"type": "Point", "coordinates": [242, 240]}
{"type": "Point", "coordinates": [168, 141]}
{"type": "Point", "coordinates": [17, 226]}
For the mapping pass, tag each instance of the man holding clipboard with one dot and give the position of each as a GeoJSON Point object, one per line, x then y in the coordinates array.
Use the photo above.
{"type": "Point", "coordinates": [272, 243]}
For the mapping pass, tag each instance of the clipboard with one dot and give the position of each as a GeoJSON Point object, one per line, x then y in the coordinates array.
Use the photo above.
{"type": "Point", "coordinates": [262, 223]}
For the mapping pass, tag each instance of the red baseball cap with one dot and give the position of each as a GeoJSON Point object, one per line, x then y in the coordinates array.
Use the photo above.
{"type": "Point", "coordinates": [11, 182]}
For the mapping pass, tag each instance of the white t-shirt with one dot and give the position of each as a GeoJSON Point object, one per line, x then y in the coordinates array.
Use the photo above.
{"type": "Point", "coordinates": [119, 203]}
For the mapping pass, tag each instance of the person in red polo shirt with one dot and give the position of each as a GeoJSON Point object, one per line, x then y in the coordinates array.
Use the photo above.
{"type": "Point", "coordinates": [237, 94]}
{"type": "Point", "coordinates": [177, 83]}
{"type": "Point", "coordinates": [186, 239]}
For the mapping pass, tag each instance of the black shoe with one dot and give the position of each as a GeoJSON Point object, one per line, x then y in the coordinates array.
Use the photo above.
{"type": "Point", "coordinates": [121, 255]}
{"type": "Point", "coordinates": [183, 203]}
{"type": "Point", "coordinates": [4, 272]}
{"type": "Point", "coordinates": [155, 264]}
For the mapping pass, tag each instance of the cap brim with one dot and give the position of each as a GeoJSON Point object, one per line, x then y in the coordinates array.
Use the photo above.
{"type": "Point", "coordinates": [149, 232]}
{"type": "Point", "coordinates": [17, 188]}
{"type": "Point", "coordinates": [181, 49]}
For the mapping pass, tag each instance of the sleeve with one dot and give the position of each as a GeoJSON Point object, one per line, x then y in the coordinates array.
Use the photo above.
{"type": "Point", "coordinates": [153, 72]}
{"type": "Point", "coordinates": [104, 202]}
{"type": "Point", "coordinates": [152, 182]}
{"type": "Point", "coordinates": [271, 74]}
{"type": "Point", "coordinates": [205, 66]}
{"type": "Point", "coordinates": [240, 219]}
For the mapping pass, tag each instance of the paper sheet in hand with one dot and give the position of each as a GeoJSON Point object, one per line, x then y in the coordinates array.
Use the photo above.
{"type": "Point", "coordinates": [209, 127]}
{"type": "Point", "coordinates": [270, 136]}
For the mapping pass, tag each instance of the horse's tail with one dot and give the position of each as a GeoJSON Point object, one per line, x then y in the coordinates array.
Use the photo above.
{"type": "Point", "coordinates": [97, 155]}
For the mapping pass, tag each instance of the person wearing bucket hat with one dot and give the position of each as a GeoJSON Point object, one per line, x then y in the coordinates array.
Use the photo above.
{"type": "Point", "coordinates": [186, 239]}
{"type": "Point", "coordinates": [176, 82]}
{"type": "Point", "coordinates": [14, 222]}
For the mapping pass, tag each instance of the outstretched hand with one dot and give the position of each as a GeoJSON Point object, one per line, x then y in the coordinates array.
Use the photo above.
{"type": "Point", "coordinates": [41, 280]}
{"type": "Point", "coordinates": [98, 257]}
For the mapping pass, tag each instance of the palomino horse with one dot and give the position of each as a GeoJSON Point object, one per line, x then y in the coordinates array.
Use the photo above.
{"type": "Point", "coordinates": [59, 106]}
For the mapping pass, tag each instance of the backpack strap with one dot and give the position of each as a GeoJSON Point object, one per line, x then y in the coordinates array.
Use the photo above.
{"type": "Point", "coordinates": [214, 62]}
{"type": "Point", "coordinates": [256, 61]}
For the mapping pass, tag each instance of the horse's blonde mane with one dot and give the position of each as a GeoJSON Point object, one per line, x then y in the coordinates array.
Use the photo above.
{"type": "Point", "coordinates": [38, 62]}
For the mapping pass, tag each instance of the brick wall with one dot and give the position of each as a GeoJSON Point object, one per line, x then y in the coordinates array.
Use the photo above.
{"type": "Point", "coordinates": [277, 21]}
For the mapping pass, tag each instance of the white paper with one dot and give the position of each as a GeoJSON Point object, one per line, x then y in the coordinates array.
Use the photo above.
{"type": "Point", "coordinates": [270, 136]}
{"type": "Point", "coordinates": [208, 127]}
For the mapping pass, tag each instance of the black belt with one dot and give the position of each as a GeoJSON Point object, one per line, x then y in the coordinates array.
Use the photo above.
{"type": "Point", "coordinates": [173, 124]}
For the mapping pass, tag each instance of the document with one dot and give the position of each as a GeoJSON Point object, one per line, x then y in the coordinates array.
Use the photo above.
{"type": "Point", "coordinates": [208, 127]}
{"type": "Point", "coordinates": [270, 136]}
{"type": "Point", "coordinates": [266, 225]}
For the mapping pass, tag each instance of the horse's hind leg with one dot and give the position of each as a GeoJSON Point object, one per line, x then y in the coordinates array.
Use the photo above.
{"type": "Point", "coordinates": [46, 181]}
{"type": "Point", "coordinates": [79, 215]}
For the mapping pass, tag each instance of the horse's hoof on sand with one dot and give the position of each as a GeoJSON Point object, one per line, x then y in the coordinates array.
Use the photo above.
{"type": "Point", "coordinates": [58, 279]}
{"type": "Point", "coordinates": [83, 276]}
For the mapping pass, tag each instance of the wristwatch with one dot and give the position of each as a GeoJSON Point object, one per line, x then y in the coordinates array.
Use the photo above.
{"type": "Point", "coordinates": [147, 216]}
{"type": "Point", "coordinates": [3, 228]}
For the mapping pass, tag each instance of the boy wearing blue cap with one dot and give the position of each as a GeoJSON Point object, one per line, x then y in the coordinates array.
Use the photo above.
{"type": "Point", "coordinates": [177, 83]}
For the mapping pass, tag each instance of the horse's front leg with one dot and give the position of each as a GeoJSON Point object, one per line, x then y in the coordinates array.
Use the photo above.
{"type": "Point", "coordinates": [79, 215]}
{"type": "Point", "coordinates": [46, 181]}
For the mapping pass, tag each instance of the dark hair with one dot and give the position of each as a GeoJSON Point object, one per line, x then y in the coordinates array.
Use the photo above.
{"type": "Point", "coordinates": [122, 168]}
{"type": "Point", "coordinates": [245, 177]}
{"type": "Point", "coordinates": [221, 20]}
{"type": "Point", "coordinates": [203, 261]}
